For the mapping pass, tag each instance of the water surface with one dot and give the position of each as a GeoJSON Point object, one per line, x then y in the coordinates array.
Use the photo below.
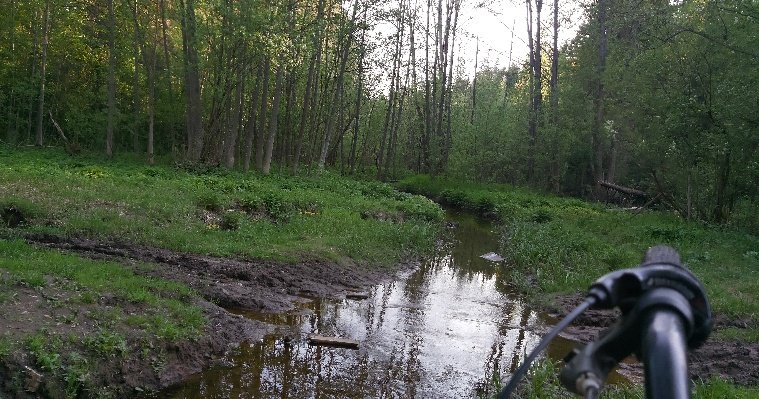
{"type": "Point", "coordinates": [445, 330]}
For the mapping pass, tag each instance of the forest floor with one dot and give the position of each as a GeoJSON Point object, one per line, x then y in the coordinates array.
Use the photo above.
{"type": "Point", "coordinates": [133, 363]}
{"type": "Point", "coordinates": [116, 278]}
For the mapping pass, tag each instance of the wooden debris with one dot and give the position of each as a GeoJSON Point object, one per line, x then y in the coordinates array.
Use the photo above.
{"type": "Point", "coordinates": [320, 340]}
{"type": "Point", "coordinates": [357, 295]}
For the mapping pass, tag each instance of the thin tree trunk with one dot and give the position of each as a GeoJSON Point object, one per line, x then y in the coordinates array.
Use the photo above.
{"type": "Point", "coordinates": [33, 74]}
{"type": "Point", "coordinates": [194, 110]}
{"type": "Point", "coordinates": [43, 68]}
{"type": "Point", "coordinates": [274, 117]}
{"type": "Point", "coordinates": [135, 82]}
{"type": "Point", "coordinates": [260, 138]}
{"type": "Point", "coordinates": [359, 94]}
{"type": "Point", "coordinates": [448, 143]}
{"type": "Point", "coordinates": [537, 88]}
{"type": "Point", "coordinates": [554, 94]}
{"type": "Point", "coordinates": [111, 80]}
{"type": "Point", "coordinates": [425, 156]}
{"type": "Point", "coordinates": [230, 142]}
{"type": "Point", "coordinates": [251, 128]}
{"type": "Point", "coordinates": [347, 39]}
{"type": "Point", "coordinates": [598, 102]}
{"type": "Point", "coordinates": [167, 60]}
{"type": "Point", "coordinates": [474, 82]}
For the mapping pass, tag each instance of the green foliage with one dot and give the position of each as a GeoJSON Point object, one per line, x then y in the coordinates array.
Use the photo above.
{"type": "Point", "coordinates": [561, 245]}
{"type": "Point", "coordinates": [46, 350]}
{"type": "Point", "coordinates": [107, 344]}
{"type": "Point", "coordinates": [219, 212]}
{"type": "Point", "coordinates": [6, 347]}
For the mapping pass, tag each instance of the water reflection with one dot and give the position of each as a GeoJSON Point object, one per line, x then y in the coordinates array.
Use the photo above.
{"type": "Point", "coordinates": [444, 330]}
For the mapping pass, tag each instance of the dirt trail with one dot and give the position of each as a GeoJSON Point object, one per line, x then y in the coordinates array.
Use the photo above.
{"type": "Point", "coordinates": [265, 286]}
{"type": "Point", "coordinates": [269, 287]}
{"type": "Point", "coordinates": [258, 286]}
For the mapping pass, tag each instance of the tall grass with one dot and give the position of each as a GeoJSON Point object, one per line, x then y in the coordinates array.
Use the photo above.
{"type": "Point", "coordinates": [561, 245]}
{"type": "Point", "coordinates": [216, 212]}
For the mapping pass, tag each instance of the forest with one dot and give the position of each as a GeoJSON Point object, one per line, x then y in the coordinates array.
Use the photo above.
{"type": "Point", "coordinates": [656, 97]}
{"type": "Point", "coordinates": [191, 190]}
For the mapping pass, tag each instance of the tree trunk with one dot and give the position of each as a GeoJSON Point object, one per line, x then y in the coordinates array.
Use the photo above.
{"type": "Point", "coordinates": [194, 110]}
{"type": "Point", "coordinates": [250, 133]}
{"type": "Point", "coordinates": [274, 117]}
{"type": "Point", "coordinates": [43, 68]}
{"type": "Point", "coordinates": [260, 138]}
{"type": "Point", "coordinates": [111, 80]}
{"type": "Point", "coordinates": [167, 60]}
{"type": "Point", "coordinates": [230, 141]}
{"type": "Point", "coordinates": [448, 143]}
{"type": "Point", "coordinates": [554, 104]}
{"type": "Point", "coordinates": [425, 151]}
{"type": "Point", "coordinates": [598, 102]}
{"type": "Point", "coordinates": [135, 82]}
{"type": "Point", "coordinates": [537, 87]}
{"type": "Point", "coordinates": [474, 82]}
{"type": "Point", "coordinates": [347, 39]}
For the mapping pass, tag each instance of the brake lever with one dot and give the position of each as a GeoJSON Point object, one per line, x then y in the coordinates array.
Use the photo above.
{"type": "Point", "coordinates": [660, 281]}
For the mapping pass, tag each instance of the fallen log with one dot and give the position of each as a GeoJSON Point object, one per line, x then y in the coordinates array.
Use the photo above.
{"type": "Point", "coordinates": [321, 340]}
{"type": "Point", "coordinates": [622, 189]}
{"type": "Point", "coordinates": [357, 295]}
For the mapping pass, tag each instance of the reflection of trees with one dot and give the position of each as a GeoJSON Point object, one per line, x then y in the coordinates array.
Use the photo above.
{"type": "Point", "coordinates": [278, 369]}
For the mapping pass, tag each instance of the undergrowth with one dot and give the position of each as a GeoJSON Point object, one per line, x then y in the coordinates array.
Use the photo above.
{"type": "Point", "coordinates": [213, 211]}
{"type": "Point", "coordinates": [560, 245]}
{"type": "Point", "coordinates": [542, 382]}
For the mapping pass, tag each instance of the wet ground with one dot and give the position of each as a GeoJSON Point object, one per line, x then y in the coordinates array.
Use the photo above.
{"type": "Point", "coordinates": [446, 329]}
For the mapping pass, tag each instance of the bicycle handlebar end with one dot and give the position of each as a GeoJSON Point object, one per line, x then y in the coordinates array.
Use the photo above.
{"type": "Point", "coordinates": [662, 254]}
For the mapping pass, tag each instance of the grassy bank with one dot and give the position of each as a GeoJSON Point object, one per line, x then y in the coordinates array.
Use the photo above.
{"type": "Point", "coordinates": [557, 246]}
{"type": "Point", "coordinates": [561, 245]}
{"type": "Point", "coordinates": [71, 326]}
{"type": "Point", "coordinates": [542, 382]}
{"type": "Point", "coordinates": [213, 212]}
{"type": "Point", "coordinates": [75, 327]}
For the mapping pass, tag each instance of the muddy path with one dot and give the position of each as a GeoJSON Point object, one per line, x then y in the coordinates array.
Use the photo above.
{"type": "Point", "coordinates": [152, 364]}
{"type": "Point", "coordinates": [262, 285]}
{"type": "Point", "coordinates": [269, 287]}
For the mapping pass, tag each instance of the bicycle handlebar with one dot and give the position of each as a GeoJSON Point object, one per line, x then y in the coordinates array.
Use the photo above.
{"type": "Point", "coordinates": [665, 311]}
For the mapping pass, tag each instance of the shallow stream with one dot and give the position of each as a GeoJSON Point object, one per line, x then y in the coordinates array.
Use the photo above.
{"type": "Point", "coordinates": [444, 330]}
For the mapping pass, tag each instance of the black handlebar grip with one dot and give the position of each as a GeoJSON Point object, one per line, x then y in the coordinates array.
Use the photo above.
{"type": "Point", "coordinates": [662, 254]}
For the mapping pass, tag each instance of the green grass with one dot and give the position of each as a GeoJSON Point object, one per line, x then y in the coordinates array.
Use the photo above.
{"type": "Point", "coordinates": [168, 311]}
{"type": "Point", "coordinates": [542, 382]}
{"type": "Point", "coordinates": [565, 244]}
{"type": "Point", "coordinates": [215, 212]}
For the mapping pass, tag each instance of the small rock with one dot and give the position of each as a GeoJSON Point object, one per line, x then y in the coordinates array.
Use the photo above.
{"type": "Point", "coordinates": [492, 256]}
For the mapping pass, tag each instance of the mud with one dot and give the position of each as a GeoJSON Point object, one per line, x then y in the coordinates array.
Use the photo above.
{"type": "Point", "coordinates": [151, 365]}
{"type": "Point", "coordinates": [264, 287]}
{"type": "Point", "coordinates": [730, 360]}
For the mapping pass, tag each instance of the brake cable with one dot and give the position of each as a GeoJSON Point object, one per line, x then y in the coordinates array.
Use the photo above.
{"type": "Point", "coordinates": [522, 370]}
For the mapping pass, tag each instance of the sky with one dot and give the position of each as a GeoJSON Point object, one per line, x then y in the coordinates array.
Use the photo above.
{"type": "Point", "coordinates": [499, 25]}
{"type": "Point", "coordinates": [493, 23]}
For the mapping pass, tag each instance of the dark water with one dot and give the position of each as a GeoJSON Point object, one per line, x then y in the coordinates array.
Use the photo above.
{"type": "Point", "coordinates": [444, 331]}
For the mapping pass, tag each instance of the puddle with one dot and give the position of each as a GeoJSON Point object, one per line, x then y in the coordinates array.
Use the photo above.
{"type": "Point", "coordinates": [444, 330]}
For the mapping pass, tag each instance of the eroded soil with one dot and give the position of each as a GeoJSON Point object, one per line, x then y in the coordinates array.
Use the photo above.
{"type": "Point", "coordinates": [148, 364]}
{"type": "Point", "coordinates": [732, 360]}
